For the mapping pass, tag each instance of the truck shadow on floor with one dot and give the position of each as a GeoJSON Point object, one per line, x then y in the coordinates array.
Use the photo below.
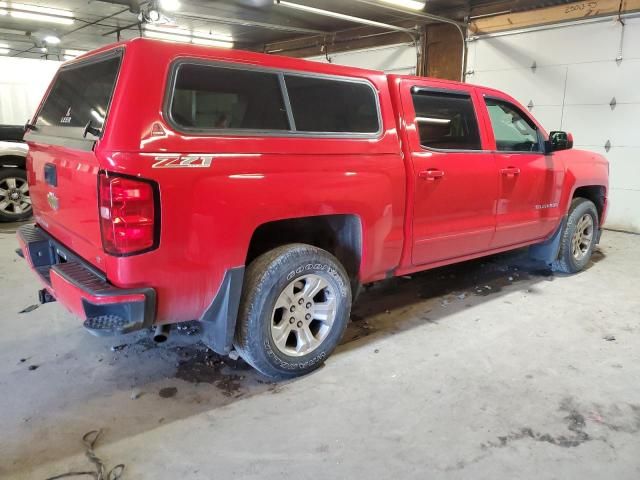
{"type": "Point", "coordinates": [430, 296]}
{"type": "Point", "coordinates": [129, 385]}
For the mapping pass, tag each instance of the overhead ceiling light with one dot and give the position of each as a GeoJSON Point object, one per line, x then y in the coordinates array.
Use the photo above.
{"type": "Point", "coordinates": [166, 36]}
{"type": "Point", "coordinates": [169, 5]}
{"type": "Point", "coordinates": [212, 43]}
{"type": "Point", "coordinates": [74, 53]}
{"type": "Point", "coordinates": [34, 12]}
{"type": "Point", "coordinates": [10, 31]}
{"type": "Point", "coordinates": [339, 16]}
{"type": "Point", "coordinates": [183, 35]}
{"type": "Point", "coordinates": [51, 39]}
{"type": "Point", "coordinates": [4, 49]}
{"type": "Point", "coordinates": [412, 4]}
{"type": "Point", "coordinates": [43, 49]}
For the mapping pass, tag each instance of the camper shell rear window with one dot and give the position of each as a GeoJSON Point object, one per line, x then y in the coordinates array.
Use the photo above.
{"type": "Point", "coordinates": [80, 95]}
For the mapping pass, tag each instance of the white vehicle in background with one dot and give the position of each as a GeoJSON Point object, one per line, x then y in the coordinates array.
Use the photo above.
{"type": "Point", "coordinates": [15, 203]}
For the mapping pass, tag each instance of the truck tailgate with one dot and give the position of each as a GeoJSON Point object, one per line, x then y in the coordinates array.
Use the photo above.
{"type": "Point", "coordinates": [64, 194]}
{"type": "Point", "coordinates": [62, 165]}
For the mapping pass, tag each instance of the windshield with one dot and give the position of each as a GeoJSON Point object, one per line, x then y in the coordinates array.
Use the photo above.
{"type": "Point", "coordinates": [81, 93]}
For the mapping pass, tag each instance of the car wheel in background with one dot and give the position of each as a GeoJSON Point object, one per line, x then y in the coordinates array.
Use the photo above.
{"type": "Point", "coordinates": [15, 202]}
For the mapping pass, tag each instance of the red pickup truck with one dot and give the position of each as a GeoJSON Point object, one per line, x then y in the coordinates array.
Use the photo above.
{"type": "Point", "coordinates": [256, 193]}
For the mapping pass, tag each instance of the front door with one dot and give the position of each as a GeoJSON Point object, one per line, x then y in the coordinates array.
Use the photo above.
{"type": "Point", "coordinates": [530, 181]}
{"type": "Point", "coordinates": [455, 181]}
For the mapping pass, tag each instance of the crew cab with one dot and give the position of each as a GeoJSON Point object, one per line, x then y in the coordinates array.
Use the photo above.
{"type": "Point", "coordinates": [256, 193]}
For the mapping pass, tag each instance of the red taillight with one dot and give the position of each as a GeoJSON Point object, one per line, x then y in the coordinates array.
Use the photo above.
{"type": "Point", "coordinates": [127, 215]}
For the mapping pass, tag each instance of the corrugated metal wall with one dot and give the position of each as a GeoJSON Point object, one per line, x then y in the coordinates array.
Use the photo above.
{"type": "Point", "coordinates": [583, 78]}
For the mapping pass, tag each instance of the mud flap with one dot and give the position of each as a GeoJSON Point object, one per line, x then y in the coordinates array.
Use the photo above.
{"type": "Point", "coordinates": [548, 250]}
{"type": "Point", "coordinates": [219, 320]}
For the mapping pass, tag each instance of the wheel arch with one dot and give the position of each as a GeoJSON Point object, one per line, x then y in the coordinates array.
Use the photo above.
{"type": "Point", "coordinates": [339, 234]}
{"type": "Point", "coordinates": [595, 193]}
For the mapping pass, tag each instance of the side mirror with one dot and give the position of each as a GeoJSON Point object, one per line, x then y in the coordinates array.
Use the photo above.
{"type": "Point", "coordinates": [559, 140]}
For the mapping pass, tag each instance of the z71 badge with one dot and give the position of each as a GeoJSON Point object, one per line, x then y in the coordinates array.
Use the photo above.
{"type": "Point", "coordinates": [183, 161]}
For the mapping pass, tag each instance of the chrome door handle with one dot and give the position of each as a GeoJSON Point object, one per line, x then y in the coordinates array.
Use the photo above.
{"type": "Point", "coordinates": [431, 174]}
{"type": "Point", "coordinates": [510, 171]}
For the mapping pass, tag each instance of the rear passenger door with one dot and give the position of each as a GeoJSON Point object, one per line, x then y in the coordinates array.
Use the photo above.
{"type": "Point", "coordinates": [455, 181]}
{"type": "Point", "coordinates": [530, 181]}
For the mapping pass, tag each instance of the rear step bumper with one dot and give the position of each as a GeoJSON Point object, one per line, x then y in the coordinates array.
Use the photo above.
{"type": "Point", "coordinates": [106, 310]}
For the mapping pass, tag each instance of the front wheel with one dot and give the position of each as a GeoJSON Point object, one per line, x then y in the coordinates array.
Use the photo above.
{"type": "Point", "coordinates": [578, 238]}
{"type": "Point", "coordinates": [295, 306]}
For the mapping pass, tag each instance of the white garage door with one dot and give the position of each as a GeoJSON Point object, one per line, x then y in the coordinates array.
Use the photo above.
{"type": "Point", "coordinates": [22, 84]}
{"type": "Point", "coordinates": [400, 59]}
{"type": "Point", "coordinates": [570, 75]}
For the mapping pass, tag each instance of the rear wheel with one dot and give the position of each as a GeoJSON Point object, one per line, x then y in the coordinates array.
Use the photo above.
{"type": "Point", "coordinates": [578, 238]}
{"type": "Point", "coordinates": [294, 309]}
{"type": "Point", "coordinates": [15, 202]}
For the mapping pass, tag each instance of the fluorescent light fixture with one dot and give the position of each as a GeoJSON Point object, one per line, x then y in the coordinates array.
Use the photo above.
{"type": "Point", "coordinates": [169, 5]}
{"type": "Point", "coordinates": [43, 49]}
{"type": "Point", "coordinates": [212, 43]}
{"type": "Point", "coordinates": [12, 32]}
{"type": "Point", "coordinates": [187, 36]}
{"type": "Point", "coordinates": [411, 4]}
{"type": "Point", "coordinates": [74, 53]}
{"type": "Point", "coordinates": [37, 13]}
{"type": "Point", "coordinates": [95, 114]}
{"type": "Point", "coordinates": [433, 121]}
{"type": "Point", "coordinates": [51, 39]}
{"type": "Point", "coordinates": [4, 51]}
{"type": "Point", "coordinates": [339, 16]}
{"type": "Point", "coordinates": [40, 18]}
{"type": "Point", "coordinates": [166, 36]}
{"type": "Point", "coordinates": [4, 45]}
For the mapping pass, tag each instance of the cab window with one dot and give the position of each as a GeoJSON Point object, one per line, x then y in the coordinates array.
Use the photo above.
{"type": "Point", "coordinates": [512, 129]}
{"type": "Point", "coordinates": [446, 120]}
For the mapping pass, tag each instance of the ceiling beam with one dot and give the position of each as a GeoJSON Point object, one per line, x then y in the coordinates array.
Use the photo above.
{"type": "Point", "coordinates": [549, 15]}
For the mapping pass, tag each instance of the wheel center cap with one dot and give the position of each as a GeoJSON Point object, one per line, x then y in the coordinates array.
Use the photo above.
{"type": "Point", "coordinates": [14, 195]}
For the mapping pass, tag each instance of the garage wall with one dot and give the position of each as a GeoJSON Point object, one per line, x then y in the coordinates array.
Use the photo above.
{"type": "Point", "coordinates": [569, 74]}
{"type": "Point", "coordinates": [23, 82]}
{"type": "Point", "coordinates": [399, 58]}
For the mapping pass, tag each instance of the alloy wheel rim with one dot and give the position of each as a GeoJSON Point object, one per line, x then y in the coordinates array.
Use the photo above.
{"type": "Point", "coordinates": [14, 196]}
{"type": "Point", "coordinates": [582, 237]}
{"type": "Point", "coordinates": [303, 315]}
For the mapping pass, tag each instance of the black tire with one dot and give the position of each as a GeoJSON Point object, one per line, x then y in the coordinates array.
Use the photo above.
{"type": "Point", "coordinates": [7, 213]}
{"type": "Point", "coordinates": [265, 280]}
{"type": "Point", "coordinates": [566, 261]}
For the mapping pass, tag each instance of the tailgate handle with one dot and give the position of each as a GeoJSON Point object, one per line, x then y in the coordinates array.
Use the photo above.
{"type": "Point", "coordinates": [50, 174]}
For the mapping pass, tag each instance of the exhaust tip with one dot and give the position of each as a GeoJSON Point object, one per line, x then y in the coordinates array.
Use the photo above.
{"type": "Point", "coordinates": [161, 333]}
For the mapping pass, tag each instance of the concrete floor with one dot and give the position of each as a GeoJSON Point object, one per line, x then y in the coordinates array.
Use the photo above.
{"type": "Point", "coordinates": [489, 369]}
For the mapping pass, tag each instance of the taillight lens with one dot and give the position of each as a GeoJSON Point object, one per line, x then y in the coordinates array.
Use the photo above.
{"type": "Point", "coordinates": [127, 215]}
